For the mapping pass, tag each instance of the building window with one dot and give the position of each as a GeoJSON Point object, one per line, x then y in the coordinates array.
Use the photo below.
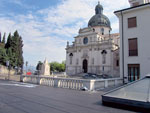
{"type": "Point", "coordinates": [133, 47]}
{"type": "Point", "coordinates": [102, 31]}
{"type": "Point", "coordinates": [117, 63]}
{"type": "Point", "coordinates": [133, 72]}
{"type": "Point", "coordinates": [70, 60]}
{"type": "Point", "coordinates": [132, 22]}
{"type": "Point", "coordinates": [70, 55]}
{"type": "Point", "coordinates": [85, 40]}
{"type": "Point", "coordinates": [93, 30]}
{"type": "Point", "coordinates": [104, 52]}
{"type": "Point", "coordinates": [104, 58]}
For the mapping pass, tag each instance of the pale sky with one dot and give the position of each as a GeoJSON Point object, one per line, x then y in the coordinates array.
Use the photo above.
{"type": "Point", "coordinates": [47, 25]}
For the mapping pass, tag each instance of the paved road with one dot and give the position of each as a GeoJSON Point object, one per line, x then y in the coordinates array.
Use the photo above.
{"type": "Point", "coordinates": [27, 98]}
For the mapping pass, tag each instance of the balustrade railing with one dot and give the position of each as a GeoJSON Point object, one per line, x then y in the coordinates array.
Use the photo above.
{"type": "Point", "coordinates": [72, 83]}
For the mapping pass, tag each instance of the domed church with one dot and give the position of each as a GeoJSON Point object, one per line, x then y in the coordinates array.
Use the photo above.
{"type": "Point", "coordinates": [95, 49]}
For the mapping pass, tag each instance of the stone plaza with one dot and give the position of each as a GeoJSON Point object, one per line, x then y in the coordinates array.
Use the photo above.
{"type": "Point", "coordinates": [16, 97]}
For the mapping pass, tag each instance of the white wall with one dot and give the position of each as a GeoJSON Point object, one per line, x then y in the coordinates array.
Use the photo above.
{"type": "Point", "coordinates": [142, 33]}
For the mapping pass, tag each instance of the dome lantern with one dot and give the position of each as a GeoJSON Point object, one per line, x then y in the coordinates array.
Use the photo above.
{"type": "Point", "coordinates": [99, 19]}
{"type": "Point", "coordinates": [98, 8]}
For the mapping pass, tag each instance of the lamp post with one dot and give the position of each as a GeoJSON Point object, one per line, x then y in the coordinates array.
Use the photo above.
{"type": "Point", "coordinates": [26, 66]}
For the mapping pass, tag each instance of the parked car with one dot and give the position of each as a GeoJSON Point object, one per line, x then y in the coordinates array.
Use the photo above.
{"type": "Point", "coordinates": [90, 76]}
{"type": "Point", "coordinates": [105, 76]}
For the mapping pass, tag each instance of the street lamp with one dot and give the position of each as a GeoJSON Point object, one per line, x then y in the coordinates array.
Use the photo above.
{"type": "Point", "coordinates": [26, 66]}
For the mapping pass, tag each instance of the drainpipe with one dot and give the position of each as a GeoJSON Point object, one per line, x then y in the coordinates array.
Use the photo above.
{"type": "Point", "coordinates": [122, 48]}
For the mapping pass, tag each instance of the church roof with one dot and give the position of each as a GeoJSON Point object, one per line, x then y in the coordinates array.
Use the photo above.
{"type": "Point", "coordinates": [99, 19]}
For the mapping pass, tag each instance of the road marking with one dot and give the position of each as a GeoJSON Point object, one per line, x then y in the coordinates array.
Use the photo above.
{"type": "Point", "coordinates": [19, 84]}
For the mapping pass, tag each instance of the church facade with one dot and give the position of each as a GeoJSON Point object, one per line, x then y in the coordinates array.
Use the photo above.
{"type": "Point", "coordinates": [95, 49]}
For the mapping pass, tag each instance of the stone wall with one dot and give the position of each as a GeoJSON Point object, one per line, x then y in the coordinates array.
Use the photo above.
{"type": "Point", "coordinates": [4, 71]}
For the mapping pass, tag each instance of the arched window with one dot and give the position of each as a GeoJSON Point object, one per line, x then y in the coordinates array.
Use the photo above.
{"type": "Point", "coordinates": [102, 31]}
{"type": "Point", "coordinates": [117, 63]}
{"type": "Point", "coordinates": [109, 31]}
{"type": "Point", "coordinates": [71, 55]}
{"type": "Point", "coordinates": [104, 59]}
{"type": "Point", "coordinates": [104, 52]}
{"type": "Point", "coordinates": [93, 30]}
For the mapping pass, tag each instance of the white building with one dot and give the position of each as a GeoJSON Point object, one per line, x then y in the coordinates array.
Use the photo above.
{"type": "Point", "coordinates": [134, 25]}
{"type": "Point", "coordinates": [94, 50]}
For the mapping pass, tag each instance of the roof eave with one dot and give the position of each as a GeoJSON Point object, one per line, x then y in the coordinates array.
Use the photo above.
{"type": "Point", "coordinates": [130, 8]}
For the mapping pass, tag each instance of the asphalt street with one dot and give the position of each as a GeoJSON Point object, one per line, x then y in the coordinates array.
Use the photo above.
{"type": "Point", "coordinates": [16, 97]}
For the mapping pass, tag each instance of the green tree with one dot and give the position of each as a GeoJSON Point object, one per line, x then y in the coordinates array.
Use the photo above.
{"type": "Point", "coordinates": [13, 50]}
{"type": "Point", "coordinates": [3, 41]}
{"type": "Point", "coordinates": [39, 66]}
{"type": "Point", "coordinates": [16, 47]}
{"type": "Point", "coordinates": [54, 66]}
{"type": "Point", "coordinates": [9, 41]}
{"type": "Point", "coordinates": [20, 53]}
{"type": "Point", "coordinates": [57, 67]}
{"type": "Point", "coordinates": [11, 57]}
{"type": "Point", "coordinates": [3, 56]}
{"type": "Point", "coordinates": [62, 66]}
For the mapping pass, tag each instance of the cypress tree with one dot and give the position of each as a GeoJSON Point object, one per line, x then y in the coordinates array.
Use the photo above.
{"type": "Point", "coordinates": [11, 57]}
{"type": "Point", "coordinates": [20, 52]}
{"type": "Point", "coordinates": [9, 40]}
{"type": "Point", "coordinates": [3, 41]}
{"type": "Point", "coordinates": [3, 56]}
{"type": "Point", "coordinates": [16, 47]}
{"type": "Point", "coordinates": [13, 50]}
{"type": "Point", "coordinates": [39, 65]}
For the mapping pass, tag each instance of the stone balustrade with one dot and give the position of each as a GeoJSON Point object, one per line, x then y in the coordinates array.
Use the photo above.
{"type": "Point", "coordinates": [72, 83]}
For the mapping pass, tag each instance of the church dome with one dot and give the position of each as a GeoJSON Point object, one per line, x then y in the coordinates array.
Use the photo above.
{"type": "Point", "coordinates": [99, 19]}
